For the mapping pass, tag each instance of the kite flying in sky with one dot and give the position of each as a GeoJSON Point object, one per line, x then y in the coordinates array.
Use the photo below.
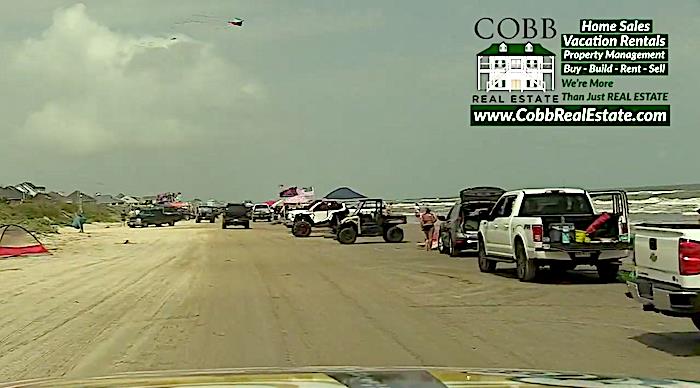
{"type": "Point", "coordinates": [236, 22]}
{"type": "Point", "coordinates": [213, 20]}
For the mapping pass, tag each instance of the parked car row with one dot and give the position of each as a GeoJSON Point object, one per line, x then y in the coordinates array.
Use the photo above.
{"type": "Point", "coordinates": [562, 228]}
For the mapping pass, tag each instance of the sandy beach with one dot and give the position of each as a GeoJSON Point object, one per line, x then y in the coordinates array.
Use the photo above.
{"type": "Point", "coordinates": [196, 296]}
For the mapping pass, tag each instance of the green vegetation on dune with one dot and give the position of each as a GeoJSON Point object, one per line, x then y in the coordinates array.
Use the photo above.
{"type": "Point", "coordinates": [45, 217]}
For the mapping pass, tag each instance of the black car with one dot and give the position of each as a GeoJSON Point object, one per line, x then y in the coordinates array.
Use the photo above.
{"type": "Point", "coordinates": [460, 228]}
{"type": "Point", "coordinates": [237, 214]}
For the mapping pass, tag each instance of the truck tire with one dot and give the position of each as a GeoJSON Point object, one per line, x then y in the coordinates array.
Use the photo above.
{"type": "Point", "coordinates": [197, 220]}
{"type": "Point", "coordinates": [301, 229]}
{"type": "Point", "coordinates": [696, 321]}
{"type": "Point", "coordinates": [485, 265]}
{"type": "Point", "coordinates": [171, 223]}
{"type": "Point", "coordinates": [247, 225]}
{"type": "Point", "coordinates": [526, 268]}
{"type": "Point", "coordinates": [223, 225]}
{"type": "Point", "coordinates": [393, 235]}
{"type": "Point", "coordinates": [211, 220]}
{"type": "Point", "coordinates": [347, 235]}
{"type": "Point", "coordinates": [451, 248]}
{"type": "Point", "coordinates": [441, 245]}
{"type": "Point", "coordinates": [607, 272]}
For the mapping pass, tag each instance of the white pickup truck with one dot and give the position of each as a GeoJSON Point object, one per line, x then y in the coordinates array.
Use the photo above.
{"type": "Point", "coordinates": [538, 227]}
{"type": "Point", "coordinates": [667, 269]}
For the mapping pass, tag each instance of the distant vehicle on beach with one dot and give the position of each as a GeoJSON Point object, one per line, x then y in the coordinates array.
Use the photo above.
{"type": "Point", "coordinates": [153, 216]}
{"type": "Point", "coordinates": [208, 213]}
{"type": "Point", "coordinates": [555, 227]}
{"type": "Point", "coordinates": [237, 214]}
{"type": "Point", "coordinates": [262, 211]}
{"type": "Point", "coordinates": [371, 219]}
{"type": "Point", "coordinates": [323, 213]}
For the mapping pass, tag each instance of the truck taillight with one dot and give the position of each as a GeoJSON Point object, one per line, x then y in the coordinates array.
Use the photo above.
{"type": "Point", "coordinates": [689, 257]}
{"type": "Point", "coordinates": [537, 233]}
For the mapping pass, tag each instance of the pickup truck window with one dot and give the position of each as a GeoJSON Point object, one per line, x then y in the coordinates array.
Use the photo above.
{"type": "Point", "coordinates": [559, 204]}
{"type": "Point", "coordinates": [504, 207]}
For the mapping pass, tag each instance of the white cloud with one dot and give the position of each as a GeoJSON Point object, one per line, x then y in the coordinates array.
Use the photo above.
{"type": "Point", "coordinates": [82, 87]}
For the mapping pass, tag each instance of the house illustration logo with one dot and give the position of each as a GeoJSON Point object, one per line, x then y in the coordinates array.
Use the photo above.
{"type": "Point", "coordinates": [512, 67]}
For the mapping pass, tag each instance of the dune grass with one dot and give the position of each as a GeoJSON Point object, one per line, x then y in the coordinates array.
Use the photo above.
{"type": "Point", "coordinates": [46, 217]}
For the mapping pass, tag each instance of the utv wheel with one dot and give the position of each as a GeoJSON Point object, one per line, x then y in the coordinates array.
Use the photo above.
{"type": "Point", "coordinates": [301, 229]}
{"type": "Point", "coordinates": [347, 235]}
{"type": "Point", "coordinates": [607, 272]}
{"type": "Point", "coordinates": [485, 265]}
{"type": "Point", "coordinates": [696, 321]}
{"type": "Point", "coordinates": [393, 235]}
{"type": "Point", "coordinates": [527, 268]}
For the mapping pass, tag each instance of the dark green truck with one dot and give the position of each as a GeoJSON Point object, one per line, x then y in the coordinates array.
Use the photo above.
{"type": "Point", "coordinates": [154, 216]}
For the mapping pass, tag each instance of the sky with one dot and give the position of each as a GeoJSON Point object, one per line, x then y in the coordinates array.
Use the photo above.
{"type": "Point", "coordinates": [375, 95]}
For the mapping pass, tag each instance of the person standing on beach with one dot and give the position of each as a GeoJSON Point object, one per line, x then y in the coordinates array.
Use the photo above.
{"type": "Point", "coordinates": [427, 224]}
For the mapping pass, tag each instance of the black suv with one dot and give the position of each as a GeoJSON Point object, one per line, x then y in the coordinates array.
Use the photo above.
{"type": "Point", "coordinates": [237, 214]}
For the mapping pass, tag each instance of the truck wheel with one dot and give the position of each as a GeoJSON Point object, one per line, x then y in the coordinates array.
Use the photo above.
{"type": "Point", "coordinates": [393, 235]}
{"type": "Point", "coordinates": [607, 272]}
{"type": "Point", "coordinates": [197, 220]}
{"type": "Point", "coordinates": [527, 268]}
{"type": "Point", "coordinates": [301, 229]}
{"type": "Point", "coordinates": [211, 220]}
{"type": "Point", "coordinates": [171, 223]}
{"type": "Point", "coordinates": [247, 225]}
{"type": "Point", "coordinates": [347, 235]}
{"type": "Point", "coordinates": [223, 226]}
{"type": "Point", "coordinates": [451, 248]}
{"type": "Point", "coordinates": [696, 321]}
{"type": "Point", "coordinates": [441, 246]}
{"type": "Point", "coordinates": [485, 265]}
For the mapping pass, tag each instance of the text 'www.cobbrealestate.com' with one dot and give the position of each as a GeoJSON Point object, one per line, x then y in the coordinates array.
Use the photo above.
{"type": "Point", "coordinates": [570, 115]}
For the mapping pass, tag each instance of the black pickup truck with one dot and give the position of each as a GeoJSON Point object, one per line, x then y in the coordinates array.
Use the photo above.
{"type": "Point", "coordinates": [154, 216]}
{"type": "Point", "coordinates": [237, 214]}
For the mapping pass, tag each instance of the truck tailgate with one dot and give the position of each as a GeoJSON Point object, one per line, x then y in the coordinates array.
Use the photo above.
{"type": "Point", "coordinates": [656, 254]}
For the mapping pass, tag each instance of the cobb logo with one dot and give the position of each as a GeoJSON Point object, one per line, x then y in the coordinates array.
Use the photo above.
{"type": "Point", "coordinates": [515, 67]}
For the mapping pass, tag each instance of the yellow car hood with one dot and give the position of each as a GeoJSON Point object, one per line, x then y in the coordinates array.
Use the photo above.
{"type": "Point", "coordinates": [336, 377]}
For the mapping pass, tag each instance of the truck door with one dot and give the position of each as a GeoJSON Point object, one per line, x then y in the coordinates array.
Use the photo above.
{"type": "Point", "coordinates": [498, 239]}
{"type": "Point", "coordinates": [613, 202]}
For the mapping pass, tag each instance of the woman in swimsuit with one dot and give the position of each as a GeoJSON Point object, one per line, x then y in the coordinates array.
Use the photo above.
{"type": "Point", "coordinates": [427, 224]}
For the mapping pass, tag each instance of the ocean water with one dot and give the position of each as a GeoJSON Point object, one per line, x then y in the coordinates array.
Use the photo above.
{"type": "Point", "coordinates": [645, 206]}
